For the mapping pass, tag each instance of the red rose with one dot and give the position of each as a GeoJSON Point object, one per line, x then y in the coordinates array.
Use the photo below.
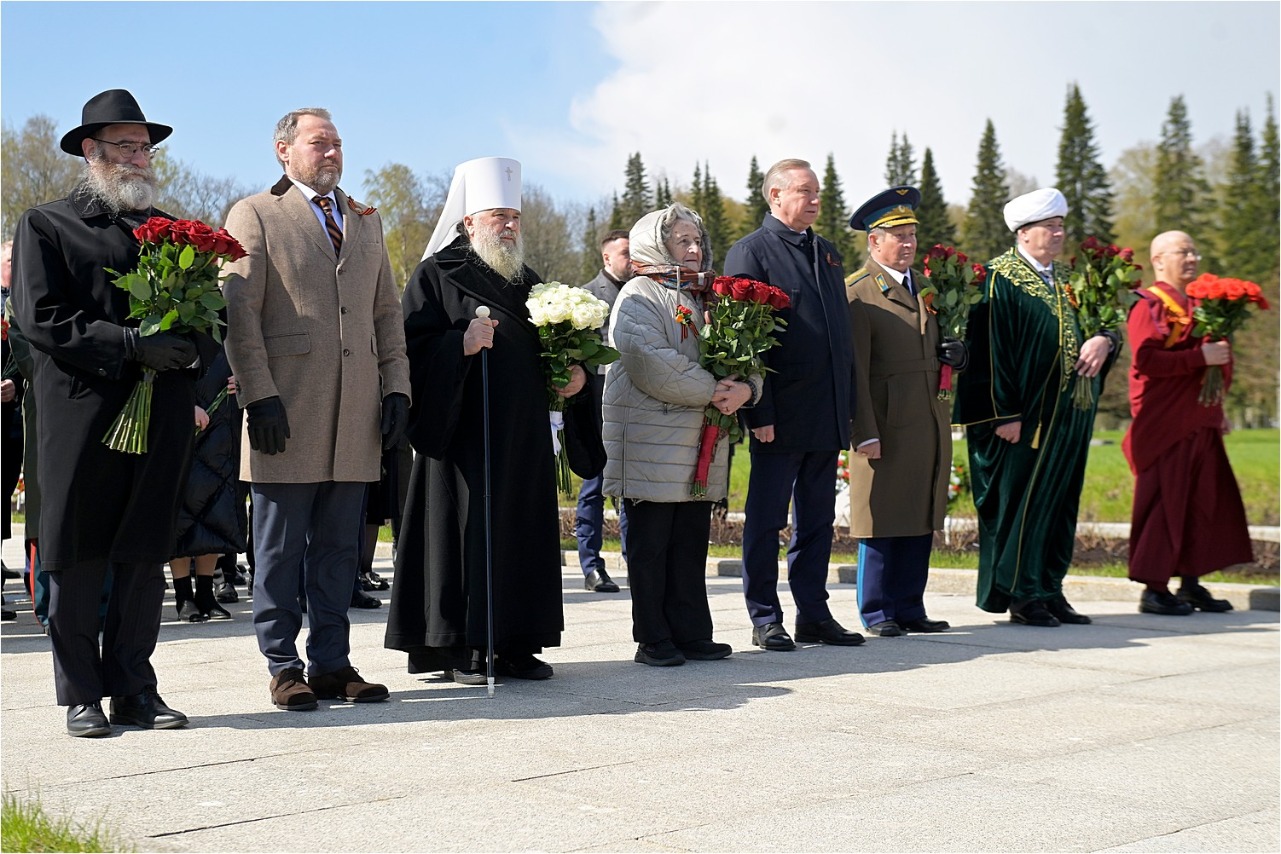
{"type": "Point", "coordinates": [740, 289]}
{"type": "Point", "coordinates": [760, 293]}
{"type": "Point", "coordinates": [721, 285]}
{"type": "Point", "coordinates": [928, 274]}
{"type": "Point", "coordinates": [179, 230]}
{"type": "Point", "coordinates": [1127, 254]}
{"type": "Point", "coordinates": [153, 230]}
{"type": "Point", "coordinates": [948, 251]}
{"type": "Point", "coordinates": [201, 237]}
{"type": "Point", "coordinates": [1111, 250]}
{"type": "Point", "coordinates": [980, 274]}
{"type": "Point", "coordinates": [1233, 289]}
{"type": "Point", "coordinates": [1090, 243]}
{"type": "Point", "coordinates": [230, 248]}
{"type": "Point", "coordinates": [778, 299]}
{"type": "Point", "coordinates": [962, 258]}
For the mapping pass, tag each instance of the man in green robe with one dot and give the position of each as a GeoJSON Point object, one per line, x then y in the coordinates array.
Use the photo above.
{"type": "Point", "coordinates": [1027, 440]}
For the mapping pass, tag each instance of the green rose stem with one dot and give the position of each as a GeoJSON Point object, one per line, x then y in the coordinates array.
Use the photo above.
{"type": "Point", "coordinates": [128, 432]}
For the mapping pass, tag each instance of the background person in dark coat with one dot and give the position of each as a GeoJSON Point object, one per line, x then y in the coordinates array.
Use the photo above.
{"type": "Point", "coordinates": [438, 604]}
{"type": "Point", "coordinates": [802, 421]}
{"type": "Point", "coordinates": [615, 252]}
{"type": "Point", "coordinates": [102, 507]}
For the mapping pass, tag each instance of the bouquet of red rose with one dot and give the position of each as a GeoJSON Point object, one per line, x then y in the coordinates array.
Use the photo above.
{"type": "Point", "coordinates": [733, 343]}
{"type": "Point", "coordinates": [1225, 307]}
{"type": "Point", "coordinates": [176, 288]}
{"type": "Point", "coordinates": [954, 287]}
{"type": "Point", "coordinates": [1100, 288]}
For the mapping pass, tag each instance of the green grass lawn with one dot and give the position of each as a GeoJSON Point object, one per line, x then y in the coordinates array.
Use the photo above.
{"type": "Point", "coordinates": [24, 826]}
{"type": "Point", "coordinates": [1109, 486]}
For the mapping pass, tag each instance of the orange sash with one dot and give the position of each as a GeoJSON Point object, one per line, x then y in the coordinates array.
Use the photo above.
{"type": "Point", "coordinates": [1177, 316]}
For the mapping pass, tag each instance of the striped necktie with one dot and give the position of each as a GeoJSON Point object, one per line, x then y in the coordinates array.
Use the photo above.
{"type": "Point", "coordinates": [331, 224]}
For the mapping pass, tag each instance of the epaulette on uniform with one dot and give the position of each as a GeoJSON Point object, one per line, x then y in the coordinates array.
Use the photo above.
{"type": "Point", "coordinates": [853, 278]}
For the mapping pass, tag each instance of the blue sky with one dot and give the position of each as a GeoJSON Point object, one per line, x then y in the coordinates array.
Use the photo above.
{"type": "Point", "coordinates": [570, 89]}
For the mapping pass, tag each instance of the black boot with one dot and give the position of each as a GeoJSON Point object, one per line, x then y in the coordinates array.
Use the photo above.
{"type": "Point", "coordinates": [205, 601]}
{"type": "Point", "coordinates": [184, 600]}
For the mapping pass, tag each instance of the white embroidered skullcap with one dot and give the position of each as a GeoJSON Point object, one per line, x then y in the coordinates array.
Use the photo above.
{"type": "Point", "coordinates": [1034, 207]}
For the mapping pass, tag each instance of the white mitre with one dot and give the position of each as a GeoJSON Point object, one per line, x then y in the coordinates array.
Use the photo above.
{"type": "Point", "coordinates": [1034, 207]}
{"type": "Point", "coordinates": [479, 185]}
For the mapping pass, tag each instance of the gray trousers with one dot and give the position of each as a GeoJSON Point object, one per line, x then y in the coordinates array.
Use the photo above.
{"type": "Point", "coordinates": [306, 533]}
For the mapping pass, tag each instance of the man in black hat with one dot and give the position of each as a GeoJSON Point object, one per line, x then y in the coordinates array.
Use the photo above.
{"type": "Point", "coordinates": [902, 444]}
{"type": "Point", "coordinates": [103, 511]}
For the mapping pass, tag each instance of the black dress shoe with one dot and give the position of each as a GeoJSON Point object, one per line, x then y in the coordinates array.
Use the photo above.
{"type": "Point", "coordinates": [885, 629]}
{"type": "Point", "coordinates": [827, 631]}
{"type": "Point", "coordinates": [773, 637]}
{"type": "Point", "coordinates": [1198, 597]}
{"type": "Point", "coordinates": [662, 654]}
{"type": "Point", "coordinates": [226, 594]}
{"type": "Point", "coordinates": [1166, 604]}
{"type": "Point", "coordinates": [189, 613]}
{"type": "Point", "coordinates": [361, 599]}
{"type": "Point", "coordinates": [1033, 613]}
{"type": "Point", "coordinates": [8, 616]}
{"type": "Point", "coordinates": [522, 666]}
{"type": "Point", "coordinates": [86, 720]}
{"type": "Point", "coordinates": [705, 650]}
{"type": "Point", "coordinates": [145, 710]}
{"type": "Point", "coordinates": [599, 581]}
{"type": "Point", "coordinates": [925, 625]}
{"type": "Point", "coordinates": [1064, 612]}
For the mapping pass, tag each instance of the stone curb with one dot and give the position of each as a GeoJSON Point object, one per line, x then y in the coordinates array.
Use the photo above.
{"type": "Point", "coordinates": [961, 582]}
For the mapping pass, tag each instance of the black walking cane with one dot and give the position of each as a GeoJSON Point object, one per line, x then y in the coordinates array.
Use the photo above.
{"type": "Point", "coordinates": [483, 313]}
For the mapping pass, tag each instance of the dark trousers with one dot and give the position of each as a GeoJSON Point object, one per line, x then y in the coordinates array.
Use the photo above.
{"type": "Point", "coordinates": [83, 671]}
{"type": "Point", "coordinates": [667, 571]}
{"type": "Point", "coordinates": [808, 482]}
{"type": "Point", "coordinates": [589, 524]}
{"type": "Point", "coordinates": [312, 530]}
{"type": "Point", "coordinates": [892, 573]}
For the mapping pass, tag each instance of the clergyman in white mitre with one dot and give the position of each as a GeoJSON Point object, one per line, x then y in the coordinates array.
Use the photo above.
{"type": "Point", "coordinates": [484, 203]}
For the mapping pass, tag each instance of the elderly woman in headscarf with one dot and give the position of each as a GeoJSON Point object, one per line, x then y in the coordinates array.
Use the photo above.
{"type": "Point", "coordinates": [654, 400]}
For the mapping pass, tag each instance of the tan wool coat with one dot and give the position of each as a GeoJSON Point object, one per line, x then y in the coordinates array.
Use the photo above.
{"type": "Point", "coordinates": [896, 366]}
{"type": "Point", "coordinates": [326, 333]}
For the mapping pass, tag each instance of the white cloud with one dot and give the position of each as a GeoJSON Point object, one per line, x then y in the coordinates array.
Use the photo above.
{"type": "Point", "coordinates": [721, 82]}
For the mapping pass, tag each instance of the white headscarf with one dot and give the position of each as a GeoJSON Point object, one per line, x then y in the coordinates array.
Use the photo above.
{"type": "Point", "coordinates": [478, 185]}
{"type": "Point", "coordinates": [1034, 207]}
{"type": "Point", "coordinates": [646, 239]}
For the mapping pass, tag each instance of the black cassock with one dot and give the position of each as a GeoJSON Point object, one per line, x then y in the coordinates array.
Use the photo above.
{"type": "Point", "coordinates": [438, 605]}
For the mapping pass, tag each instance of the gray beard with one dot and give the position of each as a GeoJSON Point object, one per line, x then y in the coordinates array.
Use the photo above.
{"type": "Point", "coordinates": [506, 261]}
{"type": "Point", "coordinates": [119, 187]}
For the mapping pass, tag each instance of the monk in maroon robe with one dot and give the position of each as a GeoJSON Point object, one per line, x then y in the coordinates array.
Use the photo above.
{"type": "Point", "coordinates": [1188, 519]}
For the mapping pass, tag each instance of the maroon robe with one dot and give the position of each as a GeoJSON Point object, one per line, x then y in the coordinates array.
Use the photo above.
{"type": "Point", "coordinates": [1188, 519]}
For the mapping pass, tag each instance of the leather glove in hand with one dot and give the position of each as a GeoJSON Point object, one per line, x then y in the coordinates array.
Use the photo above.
{"type": "Point", "coordinates": [954, 354]}
{"type": "Point", "coordinates": [267, 425]}
{"type": "Point", "coordinates": [395, 419]}
{"type": "Point", "coordinates": [164, 351]}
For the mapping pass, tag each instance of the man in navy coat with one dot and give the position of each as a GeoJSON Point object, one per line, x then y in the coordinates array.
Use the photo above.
{"type": "Point", "coordinates": [802, 421]}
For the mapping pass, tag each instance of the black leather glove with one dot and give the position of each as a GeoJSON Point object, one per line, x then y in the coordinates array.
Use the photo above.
{"type": "Point", "coordinates": [395, 419]}
{"type": "Point", "coordinates": [164, 351]}
{"type": "Point", "coordinates": [268, 427]}
{"type": "Point", "coordinates": [954, 354]}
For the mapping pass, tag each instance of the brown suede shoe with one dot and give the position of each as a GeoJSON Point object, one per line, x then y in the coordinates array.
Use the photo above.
{"type": "Point", "coordinates": [347, 684]}
{"type": "Point", "coordinates": [289, 691]}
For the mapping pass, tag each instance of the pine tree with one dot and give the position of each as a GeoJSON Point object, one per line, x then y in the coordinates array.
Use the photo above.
{"type": "Point", "coordinates": [1241, 241]}
{"type": "Point", "coordinates": [663, 195]}
{"type": "Point", "coordinates": [757, 207]}
{"type": "Point", "coordinates": [697, 196]}
{"type": "Point", "coordinates": [1081, 177]}
{"type": "Point", "coordinates": [935, 226]}
{"type": "Point", "coordinates": [616, 215]}
{"type": "Point", "coordinates": [637, 199]}
{"type": "Point", "coordinates": [591, 247]}
{"type": "Point", "coordinates": [900, 165]}
{"type": "Point", "coordinates": [713, 213]}
{"type": "Point", "coordinates": [1181, 193]}
{"type": "Point", "coordinates": [834, 217]}
{"type": "Point", "coordinates": [1267, 189]}
{"type": "Point", "coordinates": [985, 234]}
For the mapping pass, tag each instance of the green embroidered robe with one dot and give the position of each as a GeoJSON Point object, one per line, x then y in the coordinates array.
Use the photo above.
{"type": "Point", "coordinates": [1024, 341]}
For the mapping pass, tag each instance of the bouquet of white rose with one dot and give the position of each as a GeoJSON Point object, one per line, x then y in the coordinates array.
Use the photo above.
{"type": "Point", "coordinates": [568, 321]}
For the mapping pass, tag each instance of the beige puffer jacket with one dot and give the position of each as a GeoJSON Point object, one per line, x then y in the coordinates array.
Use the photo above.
{"type": "Point", "coordinates": [654, 399]}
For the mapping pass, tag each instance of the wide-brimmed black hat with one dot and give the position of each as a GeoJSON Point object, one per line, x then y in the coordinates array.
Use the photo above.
{"type": "Point", "coordinates": [113, 107]}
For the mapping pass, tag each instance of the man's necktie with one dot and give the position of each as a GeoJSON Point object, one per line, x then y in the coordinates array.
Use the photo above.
{"type": "Point", "coordinates": [331, 224]}
{"type": "Point", "coordinates": [907, 283]}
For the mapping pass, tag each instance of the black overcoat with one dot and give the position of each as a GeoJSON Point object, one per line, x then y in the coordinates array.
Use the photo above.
{"type": "Point", "coordinates": [96, 503]}
{"type": "Point", "coordinates": [809, 393]}
{"type": "Point", "coordinates": [438, 604]}
{"type": "Point", "coordinates": [212, 518]}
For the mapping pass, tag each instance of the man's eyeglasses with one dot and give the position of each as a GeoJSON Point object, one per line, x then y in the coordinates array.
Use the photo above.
{"type": "Point", "coordinates": [129, 149]}
{"type": "Point", "coordinates": [1183, 253]}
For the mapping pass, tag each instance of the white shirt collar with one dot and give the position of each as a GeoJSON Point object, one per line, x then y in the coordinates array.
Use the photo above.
{"type": "Point", "coordinates": [1036, 265]}
{"type": "Point", "coordinates": [310, 195]}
